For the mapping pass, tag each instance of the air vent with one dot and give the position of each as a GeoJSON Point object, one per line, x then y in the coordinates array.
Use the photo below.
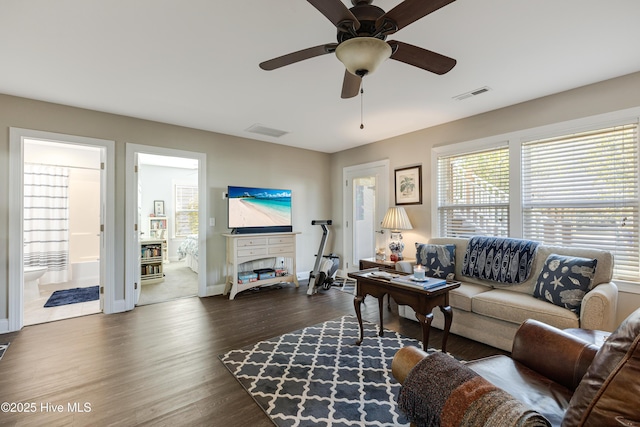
{"type": "Point", "coordinates": [474, 92]}
{"type": "Point", "coordinates": [267, 131]}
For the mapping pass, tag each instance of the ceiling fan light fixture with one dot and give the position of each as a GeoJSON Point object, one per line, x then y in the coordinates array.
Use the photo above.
{"type": "Point", "coordinates": [363, 55]}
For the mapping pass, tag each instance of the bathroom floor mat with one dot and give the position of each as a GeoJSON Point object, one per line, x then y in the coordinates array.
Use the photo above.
{"type": "Point", "coordinates": [73, 296]}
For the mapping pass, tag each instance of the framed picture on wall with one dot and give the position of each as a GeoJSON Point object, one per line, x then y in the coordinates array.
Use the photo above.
{"type": "Point", "coordinates": [409, 185]}
{"type": "Point", "coordinates": [158, 207]}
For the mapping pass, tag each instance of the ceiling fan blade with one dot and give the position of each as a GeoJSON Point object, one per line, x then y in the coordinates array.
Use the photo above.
{"type": "Point", "coordinates": [336, 12]}
{"type": "Point", "coordinates": [408, 12]}
{"type": "Point", "coordinates": [421, 58]}
{"type": "Point", "coordinates": [298, 56]}
{"type": "Point", "coordinates": [350, 85]}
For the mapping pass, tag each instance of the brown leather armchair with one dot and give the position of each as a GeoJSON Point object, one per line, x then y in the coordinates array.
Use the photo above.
{"type": "Point", "coordinates": [558, 375]}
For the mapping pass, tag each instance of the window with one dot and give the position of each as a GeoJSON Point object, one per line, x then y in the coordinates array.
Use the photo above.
{"type": "Point", "coordinates": [572, 189]}
{"type": "Point", "coordinates": [186, 221]}
{"type": "Point", "coordinates": [582, 190]}
{"type": "Point", "coordinates": [473, 193]}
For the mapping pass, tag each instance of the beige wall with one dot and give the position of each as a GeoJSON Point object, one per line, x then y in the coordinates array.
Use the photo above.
{"type": "Point", "coordinates": [315, 178]}
{"type": "Point", "coordinates": [230, 160]}
{"type": "Point", "coordinates": [415, 148]}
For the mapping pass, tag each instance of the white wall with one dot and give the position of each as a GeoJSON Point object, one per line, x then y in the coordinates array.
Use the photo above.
{"type": "Point", "coordinates": [84, 215]}
{"type": "Point", "coordinates": [157, 183]}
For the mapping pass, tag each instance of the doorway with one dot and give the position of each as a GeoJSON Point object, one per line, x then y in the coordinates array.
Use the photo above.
{"type": "Point", "coordinates": [366, 199]}
{"type": "Point", "coordinates": [168, 216]}
{"type": "Point", "coordinates": [59, 193]}
{"type": "Point", "coordinates": [166, 211]}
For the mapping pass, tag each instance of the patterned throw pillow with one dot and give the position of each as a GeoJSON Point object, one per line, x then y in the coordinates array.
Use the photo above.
{"type": "Point", "coordinates": [499, 259]}
{"type": "Point", "coordinates": [564, 281]}
{"type": "Point", "coordinates": [438, 260]}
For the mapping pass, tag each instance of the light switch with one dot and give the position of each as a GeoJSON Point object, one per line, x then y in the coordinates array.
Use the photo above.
{"type": "Point", "coordinates": [212, 222]}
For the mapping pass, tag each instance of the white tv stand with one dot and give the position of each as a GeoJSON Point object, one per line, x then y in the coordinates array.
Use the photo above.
{"type": "Point", "coordinates": [243, 248]}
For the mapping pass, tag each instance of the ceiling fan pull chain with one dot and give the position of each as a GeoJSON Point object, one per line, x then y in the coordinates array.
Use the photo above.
{"type": "Point", "coordinates": [361, 105]}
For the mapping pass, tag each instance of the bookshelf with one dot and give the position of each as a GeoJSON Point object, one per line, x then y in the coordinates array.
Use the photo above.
{"type": "Point", "coordinates": [151, 258]}
{"type": "Point", "coordinates": [158, 229]}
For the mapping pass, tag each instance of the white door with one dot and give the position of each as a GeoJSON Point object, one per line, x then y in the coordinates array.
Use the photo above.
{"type": "Point", "coordinates": [366, 199]}
{"type": "Point", "coordinates": [103, 220]}
{"type": "Point", "coordinates": [136, 235]}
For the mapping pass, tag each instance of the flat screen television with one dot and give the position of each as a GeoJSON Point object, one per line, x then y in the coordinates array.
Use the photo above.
{"type": "Point", "coordinates": [259, 210]}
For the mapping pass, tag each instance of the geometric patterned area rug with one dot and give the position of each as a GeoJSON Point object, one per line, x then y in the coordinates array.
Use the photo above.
{"type": "Point", "coordinates": [3, 349]}
{"type": "Point", "coordinates": [73, 296]}
{"type": "Point", "coordinates": [318, 375]}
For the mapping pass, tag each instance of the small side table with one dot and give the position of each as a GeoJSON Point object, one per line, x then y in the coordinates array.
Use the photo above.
{"type": "Point", "coordinates": [384, 265]}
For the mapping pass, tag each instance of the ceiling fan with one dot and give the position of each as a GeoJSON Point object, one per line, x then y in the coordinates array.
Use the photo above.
{"type": "Point", "coordinates": [361, 46]}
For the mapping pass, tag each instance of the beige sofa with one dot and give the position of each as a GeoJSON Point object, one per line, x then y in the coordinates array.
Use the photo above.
{"type": "Point", "coordinates": [491, 312]}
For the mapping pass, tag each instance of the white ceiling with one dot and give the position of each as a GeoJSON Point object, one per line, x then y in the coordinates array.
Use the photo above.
{"type": "Point", "coordinates": [195, 63]}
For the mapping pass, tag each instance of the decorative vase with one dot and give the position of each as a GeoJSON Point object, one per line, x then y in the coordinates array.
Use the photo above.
{"type": "Point", "coordinates": [396, 246]}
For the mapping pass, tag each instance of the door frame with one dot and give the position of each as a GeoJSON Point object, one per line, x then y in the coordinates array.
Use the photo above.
{"type": "Point", "coordinates": [16, 216]}
{"type": "Point", "coordinates": [382, 192]}
{"type": "Point", "coordinates": [132, 252]}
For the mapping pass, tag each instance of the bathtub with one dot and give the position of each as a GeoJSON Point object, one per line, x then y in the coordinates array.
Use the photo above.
{"type": "Point", "coordinates": [85, 273]}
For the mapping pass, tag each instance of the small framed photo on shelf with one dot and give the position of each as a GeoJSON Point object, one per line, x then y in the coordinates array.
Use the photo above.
{"type": "Point", "coordinates": [409, 185]}
{"type": "Point", "coordinates": [158, 207]}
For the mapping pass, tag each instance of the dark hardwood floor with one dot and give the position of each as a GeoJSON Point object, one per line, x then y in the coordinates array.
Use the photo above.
{"type": "Point", "coordinates": [157, 365]}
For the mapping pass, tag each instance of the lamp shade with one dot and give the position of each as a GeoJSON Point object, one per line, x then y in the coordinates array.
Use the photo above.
{"type": "Point", "coordinates": [362, 55]}
{"type": "Point", "coordinates": [396, 219]}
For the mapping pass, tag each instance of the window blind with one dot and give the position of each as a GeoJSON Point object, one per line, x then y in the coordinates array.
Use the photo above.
{"type": "Point", "coordinates": [582, 190]}
{"type": "Point", "coordinates": [473, 193]}
{"type": "Point", "coordinates": [186, 211]}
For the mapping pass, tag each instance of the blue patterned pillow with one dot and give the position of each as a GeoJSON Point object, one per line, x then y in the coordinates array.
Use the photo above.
{"type": "Point", "coordinates": [438, 260]}
{"type": "Point", "coordinates": [499, 259]}
{"type": "Point", "coordinates": [564, 280]}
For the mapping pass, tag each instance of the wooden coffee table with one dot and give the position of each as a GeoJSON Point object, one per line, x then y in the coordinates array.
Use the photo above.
{"type": "Point", "coordinates": [421, 301]}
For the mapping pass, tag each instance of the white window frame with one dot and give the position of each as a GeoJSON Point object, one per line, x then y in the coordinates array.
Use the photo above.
{"type": "Point", "coordinates": [475, 205]}
{"type": "Point", "coordinates": [590, 216]}
{"type": "Point", "coordinates": [515, 140]}
{"type": "Point", "coordinates": [176, 210]}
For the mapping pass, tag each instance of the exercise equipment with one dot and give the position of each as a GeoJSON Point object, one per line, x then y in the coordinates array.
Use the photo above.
{"type": "Point", "coordinates": [326, 266]}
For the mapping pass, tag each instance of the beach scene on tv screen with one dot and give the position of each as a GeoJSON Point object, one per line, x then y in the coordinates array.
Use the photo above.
{"type": "Point", "coordinates": [259, 207]}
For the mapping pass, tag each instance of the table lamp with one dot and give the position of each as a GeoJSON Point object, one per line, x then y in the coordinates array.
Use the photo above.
{"type": "Point", "coordinates": [396, 219]}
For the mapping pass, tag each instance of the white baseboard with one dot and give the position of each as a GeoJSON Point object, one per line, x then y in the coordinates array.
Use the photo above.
{"type": "Point", "coordinates": [303, 276]}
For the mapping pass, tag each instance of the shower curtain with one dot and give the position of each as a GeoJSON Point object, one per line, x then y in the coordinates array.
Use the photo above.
{"type": "Point", "coordinates": [46, 220]}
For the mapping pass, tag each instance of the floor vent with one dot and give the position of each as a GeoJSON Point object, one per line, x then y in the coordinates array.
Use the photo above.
{"type": "Point", "coordinates": [267, 131]}
{"type": "Point", "coordinates": [472, 93]}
